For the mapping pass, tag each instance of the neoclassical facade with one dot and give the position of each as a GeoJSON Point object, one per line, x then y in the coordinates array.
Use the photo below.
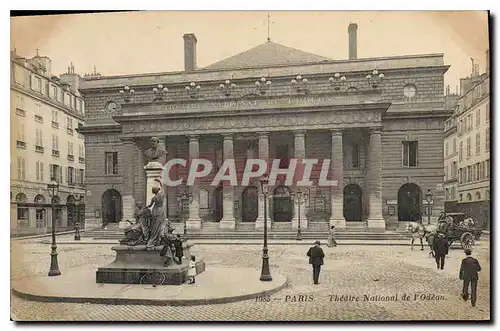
{"type": "Point", "coordinates": [379, 121]}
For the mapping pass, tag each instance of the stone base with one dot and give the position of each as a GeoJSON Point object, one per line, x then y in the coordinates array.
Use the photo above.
{"type": "Point", "coordinates": [259, 224]}
{"type": "Point", "coordinates": [124, 225]}
{"type": "Point", "coordinates": [338, 223]}
{"type": "Point", "coordinates": [227, 224]}
{"type": "Point", "coordinates": [303, 223]}
{"type": "Point", "coordinates": [133, 262]}
{"type": "Point", "coordinates": [376, 224]}
{"type": "Point", "coordinates": [193, 224]}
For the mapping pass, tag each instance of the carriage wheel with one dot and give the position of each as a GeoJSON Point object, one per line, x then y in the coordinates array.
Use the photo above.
{"type": "Point", "coordinates": [153, 278]}
{"type": "Point", "coordinates": [467, 240]}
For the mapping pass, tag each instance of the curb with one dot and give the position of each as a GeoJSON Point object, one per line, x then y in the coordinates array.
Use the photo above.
{"type": "Point", "coordinates": [44, 235]}
{"type": "Point", "coordinates": [148, 302]}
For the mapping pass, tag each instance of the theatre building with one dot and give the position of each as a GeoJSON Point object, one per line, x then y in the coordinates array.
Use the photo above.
{"type": "Point", "coordinates": [379, 121]}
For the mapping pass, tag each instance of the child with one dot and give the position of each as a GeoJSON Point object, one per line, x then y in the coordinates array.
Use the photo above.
{"type": "Point", "coordinates": [192, 270]}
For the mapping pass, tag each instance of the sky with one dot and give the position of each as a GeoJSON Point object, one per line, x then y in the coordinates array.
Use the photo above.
{"type": "Point", "coordinates": [143, 42]}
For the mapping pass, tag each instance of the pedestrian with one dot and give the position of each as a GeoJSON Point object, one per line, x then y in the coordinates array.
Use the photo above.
{"type": "Point", "coordinates": [331, 239]}
{"type": "Point", "coordinates": [316, 256]}
{"type": "Point", "coordinates": [440, 248]}
{"type": "Point", "coordinates": [192, 270]}
{"type": "Point", "coordinates": [179, 251]}
{"type": "Point", "coordinates": [468, 273]}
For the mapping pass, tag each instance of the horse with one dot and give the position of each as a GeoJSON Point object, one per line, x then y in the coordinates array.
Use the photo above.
{"type": "Point", "coordinates": [419, 230]}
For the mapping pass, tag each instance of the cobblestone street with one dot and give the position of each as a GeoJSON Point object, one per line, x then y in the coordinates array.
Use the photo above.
{"type": "Point", "coordinates": [353, 271]}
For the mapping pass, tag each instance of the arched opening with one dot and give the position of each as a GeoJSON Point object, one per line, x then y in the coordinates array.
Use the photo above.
{"type": "Point", "coordinates": [478, 196]}
{"type": "Point", "coordinates": [409, 202]}
{"type": "Point", "coordinates": [218, 201]}
{"type": "Point", "coordinates": [353, 206]}
{"type": "Point", "coordinates": [469, 197]}
{"type": "Point", "coordinates": [282, 204]}
{"type": "Point", "coordinates": [111, 207]}
{"type": "Point", "coordinates": [40, 212]}
{"type": "Point", "coordinates": [250, 204]}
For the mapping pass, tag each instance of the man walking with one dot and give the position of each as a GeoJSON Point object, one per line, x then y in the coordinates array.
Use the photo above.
{"type": "Point", "coordinates": [440, 248]}
{"type": "Point", "coordinates": [316, 256]}
{"type": "Point", "coordinates": [468, 273]}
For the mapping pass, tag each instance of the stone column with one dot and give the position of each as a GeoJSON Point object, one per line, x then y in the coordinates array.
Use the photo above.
{"type": "Point", "coordinates": [194, 221]}
{"type": "Point", "coordinates": [299, 154]}
{"type": "Point", "coordinates": [129, 150]}
{"type": "Point", "coordinates": [263, 155]}
{"type": "Point", "coordinates": [154, 171]}
{"type": "Point", "coordinates": [173, 206]}
{"type": "Point", "coordinates": [337, 192]}
{"type": "Point", "coordinates": [374, 180]}
{"type": "Point", "coordinates": [228, 221]}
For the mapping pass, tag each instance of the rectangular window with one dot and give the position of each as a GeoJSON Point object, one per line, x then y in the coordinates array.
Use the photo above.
{"type": "Point", "coordinates": [21, 168]}
{"type": "Point", "coordinates": [410, 153]}
{"type": "Point", "coordinates": [460, 176]}
{"type": "Point", "coordinates": [454, 145]}
{"type": "Point", "coordinates": [355, 156]}
{"type": "Point", "coordinates": [461, 152]}
{"type": "Point", "coordinates": [70, 176]}
{"type": "Point", "coordinates": [111, 163]}
{"type": "Point", "coordinates": [446, 173]}
{"type": "Point", "coordinates": [37, 170]}
{"type": "Point", "coordinates": [478, 117]}
{"type": "Point", "coordinates": [487, 170]}
{"type": "Point", "coordinates": [468, 147]}
{"type": "Point", "coordinates": [20, 102]}
{"type": "Point", "coordinates": [82, 176]}
{"type": "Point", "coordinates": [459, 128]}
{"type": "Point", "coordinates": [488, 112]}
{"type": "Point", "coordinates": [473, 173]}
{"type": "Point", "coordinates": [481, 170]}
{"type": "Point", "coordinates": [55, 116]}
{"type": "Point", "coordinates": [446, 149]}
{"type": "Point", "coordinates": [469, 174]}
{"type": "Point", "coordinates": [454, 170]}
{"type": "Point", "coordinates": [478, 143]}
{"type": "Point", "coordinates": [453, 192]}
{"type": "Point", "coordinates": [469, 122]}
{"type": "Point", "coordinates": [39, 137]}
{"type": "Point", "coordinates": [70, 148]}
{"type": "Point", "coordinates": [487, 137]}
{"type": "Point", "coordinates": [20, 132]}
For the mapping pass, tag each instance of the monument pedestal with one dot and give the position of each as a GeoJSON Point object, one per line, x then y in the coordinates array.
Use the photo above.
{"type": "Point", "coordinates": [133, 262]}
{"type": "Point", "coordinates": [193, 224]}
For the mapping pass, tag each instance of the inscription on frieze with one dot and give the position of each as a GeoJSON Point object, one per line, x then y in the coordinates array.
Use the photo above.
{"type": "Point", "coordinates": [281, 102]}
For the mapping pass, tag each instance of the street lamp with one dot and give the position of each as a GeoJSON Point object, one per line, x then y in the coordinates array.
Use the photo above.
{"type": "Point", "coordinates": [78, 200]}
{"type": "Point", "coordinates": [160, 92]}
{"type": "Point", "coordinates": [227, 87]}
{"type": "Point", "coordinates": [337, 81]}
{"type": "Point", "coordinates": [265, 274]}
{"type": "Point", "coordinates": [263, 85]}
{"type": "Point", "coordinates": [300, 84]}
{"type": "Point", "coordinates": [428, 197]}
{"type": "Point", "coordinates": [127, 93]}
{"type": "Point", "coordinates": [299, 198]}
{"type": "Point", "coordinates": [53, 188]}
{"type": "Point", "coordinates": [193, 90]}
{"type": "Point", "coordinates": [186, 196]}
{"type": "Point", "coordinates": [375, 78]}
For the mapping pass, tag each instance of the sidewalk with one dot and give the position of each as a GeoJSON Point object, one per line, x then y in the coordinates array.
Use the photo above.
{"type": "Point", "coordinates": [215, 285]}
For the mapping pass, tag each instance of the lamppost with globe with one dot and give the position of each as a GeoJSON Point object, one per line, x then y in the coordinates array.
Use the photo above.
{"type": "Point", "coordinates": [186, 196]}
{"type": "Point", "coordinates": [265, 274]}
{"type": "Point", "coordinates": [299, 198]}
{"type": "Point", "coordinates": [428, 196]}
{"type": "Point", "coordinates": [53, 188]}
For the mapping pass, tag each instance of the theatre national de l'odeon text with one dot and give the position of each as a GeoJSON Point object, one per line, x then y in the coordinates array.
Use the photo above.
{"type": "Point", "coordinates": [378, 120]}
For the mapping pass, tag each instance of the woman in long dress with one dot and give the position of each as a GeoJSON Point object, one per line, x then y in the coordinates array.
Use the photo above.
{"type": "Point", "coordinates": [331, 240]}
{"type": "Point", "coordinates": [137, 234]}
{"type": "Point", "coordinates": [158, 219]}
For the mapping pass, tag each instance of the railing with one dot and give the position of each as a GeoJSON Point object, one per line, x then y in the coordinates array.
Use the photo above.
{"type": "Point", "coordinates": [20, 144]}
{"type": "Point", "coordinates": [55, 153]}
{"type": "Point", "coordinates": [39, 118]}
{"type": "Point", "coordinates": [71, 157]}
{"type": "Point", "coordinates": [81, 159]}
{"type": "Point", "coordinates": [39, 149]}
{"type": "Point", "coordinates": [20, 112]}
{"type": "Point", "coordinates": [69, 130]}
{"type": "Point", "coordinates": [55, 125]}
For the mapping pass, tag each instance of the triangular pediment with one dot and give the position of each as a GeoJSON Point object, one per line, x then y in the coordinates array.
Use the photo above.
{"type": "Point", "coordinates": [267, 54]}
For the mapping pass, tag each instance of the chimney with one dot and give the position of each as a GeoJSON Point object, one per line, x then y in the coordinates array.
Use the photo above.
{"type": "Point", "coordinates": [353, 41]}
{"type": "Point", "coordinates": [190, 52]}
{"type": "Point", "coordinates": [487, 61]}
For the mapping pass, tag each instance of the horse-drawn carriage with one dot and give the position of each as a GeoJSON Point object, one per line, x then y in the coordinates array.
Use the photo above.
{"type": "Point", "coordinates": [458, 226]}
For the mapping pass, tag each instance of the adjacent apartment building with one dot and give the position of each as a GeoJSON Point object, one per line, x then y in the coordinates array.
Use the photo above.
{"type": "Point", "coordinates": [45, 111]}
{"type": "Point", "coordinates": [467, 150]}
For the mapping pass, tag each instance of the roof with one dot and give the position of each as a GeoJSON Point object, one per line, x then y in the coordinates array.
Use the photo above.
{"type": "Point", "coordinates": [267, 54]}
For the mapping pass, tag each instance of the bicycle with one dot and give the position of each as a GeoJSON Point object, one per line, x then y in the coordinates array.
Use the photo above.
{"type": "Point", "coordinates": [153, 278]}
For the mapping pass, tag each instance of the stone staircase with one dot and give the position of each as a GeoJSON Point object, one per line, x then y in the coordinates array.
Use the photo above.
{"type": "Point", "coordinates": [281, 231]}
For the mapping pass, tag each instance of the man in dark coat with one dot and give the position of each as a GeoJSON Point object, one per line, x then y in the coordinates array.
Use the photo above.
{"type": "Point", "coordinates": [316, 256]}
{"type": "Point", "coordinates": [440, 248]}
{"type": "Point", "coordinates": [468, 273]}
{"type": "Point", "coordinates": [179, 251]}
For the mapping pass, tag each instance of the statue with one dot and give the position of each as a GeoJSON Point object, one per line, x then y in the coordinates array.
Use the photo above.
{"type": "Point", "coordinates": [138, 208]}
{"type": "Point", "coordinates": [172, 248]}
{"type": "Point", "coordinates": [151, 224]}
{"type": "Point", "coordinates": [155, 153]}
